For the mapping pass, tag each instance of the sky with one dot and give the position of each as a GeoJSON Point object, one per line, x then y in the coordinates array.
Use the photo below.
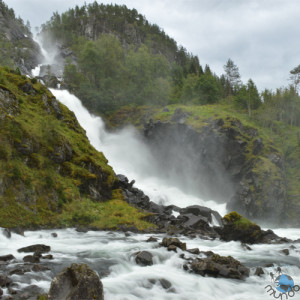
{"type": "Point", "coordinates": [260, 36]}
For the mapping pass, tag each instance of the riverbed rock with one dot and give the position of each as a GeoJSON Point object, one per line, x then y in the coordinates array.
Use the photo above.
{"type": "Point", "coordinates": [6, 232]}
{"type": "Point", "coordinates": [285, 251]}
{"type": "Point", "coordinates": [54, 234]}
{"type": "Point", "coordinates": [219, 266]}
{"type": "Point", "coordinates": [166, 242]}
{"type": "Point", "coordinates": [35, 248]}
{"type": "Point", "coordinates": [1, 292]}
{"type": "Point", "coordinates": [193, 251]}
{"type": "Point", "coordinates": [5, 281]}
{"type": "Point", "coordinates": [152, 239]}
{"type": "Point", "coordinates": [238, 228]}
{"type": "Point", "coordinates": [31, 259]}
{"type": "Point", "coordinates": [6, 257]}
{"type": "Point", "coordinates": [259, 271]}
{"type": "Point", "coordinates": [144, 258]}
{"type": "Point", "coordinates": [77, 282]}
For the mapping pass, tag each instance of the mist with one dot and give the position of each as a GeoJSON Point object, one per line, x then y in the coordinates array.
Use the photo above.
{"type": "Point", "coordinates": [129, 154]}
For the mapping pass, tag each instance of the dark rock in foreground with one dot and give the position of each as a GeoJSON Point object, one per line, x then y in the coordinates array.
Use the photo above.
{"type": "Point", "coordinates": [35, 248]}
{"type": "Point", "coordinates": [77, 282]}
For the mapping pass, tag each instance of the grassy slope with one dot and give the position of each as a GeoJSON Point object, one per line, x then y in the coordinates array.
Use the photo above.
{"type": "Point", "coordinates": [36, 191]}
{"type": "Point", "coordinates": [283, 138]}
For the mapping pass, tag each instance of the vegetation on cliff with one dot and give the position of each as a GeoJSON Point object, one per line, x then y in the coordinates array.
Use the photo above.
{"type": "Point", "coordinates": [17, 48]}
{"type": "Point", "coordinates": [50, 174]}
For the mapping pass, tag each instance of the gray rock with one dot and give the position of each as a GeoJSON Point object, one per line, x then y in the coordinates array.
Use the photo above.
{"type": "Point", "coordinates": [35, 248]}
{"type": "Point", "coordinates": [77, 282]}
{"type": "Point", "coordinates": [144, 258]}
{"type": "Point", "coordinates": [193, 251]}
{"type": "Point", "coordinates": [285, 251]}
{"type": "Point", "coordinates": [259, 271]}
{"type": "Point", "coordinates": [5, 281]}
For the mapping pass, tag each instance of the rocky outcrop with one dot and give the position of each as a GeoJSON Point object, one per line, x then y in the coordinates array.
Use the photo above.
{"type": "Point", "coordinates": [189, 220]}
{"type": "Point", "coordinates": [238, 228]}
{"type": "Point", "coordinates": [223, 160]}
{"type": "Point", "coordinates": [219, 266]}
{"type": "Point", "coordinates": [77, 282]}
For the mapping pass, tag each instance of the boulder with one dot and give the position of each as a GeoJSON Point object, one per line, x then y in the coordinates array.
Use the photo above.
{"type": "Point", "coordinates": [7, 257]}
{"type": "Point", "coordinates": [31, 259]}
{"type": "Point", "coordinates": [193, 251]}
{"type": "Point", "coordinates": [238, 228]}
{"type": "Point", "coordinates": [54, 234]}
{"type": "Point", "coordinates": [259, 271]}
{"type": "Point", "coordinates": [152, 239]}
{"type": "Point", "coordinates": [77, 282]}
{"type": "Point", "coordinates": [144, 258]}
{"type": "Point", "coordinates": [172, 248]}
{"type": "Point", "coordinates": [35, 248]}
{"type": "Point", "coordinates": [166, 242]}
{"type": "Point", "coordinates": [1, 292]}
{"type": "Point", "coordinates": [6, 232]}
{"type": "Point", "coordinates": [285, 251]}
{"type": "Point", "coordinates": [220, 266]}
{"type": "Point", "coordinates": [5, 281]}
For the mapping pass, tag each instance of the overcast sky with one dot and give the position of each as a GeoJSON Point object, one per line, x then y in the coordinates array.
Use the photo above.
{"type": "Point", "coordinates": [260, 36]}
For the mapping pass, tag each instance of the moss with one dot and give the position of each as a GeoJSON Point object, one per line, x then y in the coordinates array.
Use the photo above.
{"type": "Point", "coordinates": [37, 190]}
{"type": "Point", "coordinates": [238, 221]}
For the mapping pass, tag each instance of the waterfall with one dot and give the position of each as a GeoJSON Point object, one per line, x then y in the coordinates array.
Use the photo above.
{"type": "Point", "coordinates": [128, 154]}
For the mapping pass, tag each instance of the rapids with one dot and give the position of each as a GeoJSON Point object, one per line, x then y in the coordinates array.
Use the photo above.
{"type": "Point", "coordinates": [111, 254]}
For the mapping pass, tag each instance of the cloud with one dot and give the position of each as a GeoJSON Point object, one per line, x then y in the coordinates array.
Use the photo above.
{"type": "Point", "coordinates": [259, 35]}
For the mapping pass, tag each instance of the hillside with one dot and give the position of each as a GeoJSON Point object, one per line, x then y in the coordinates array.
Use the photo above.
{"type": "Point", "coordinates": [50, 174]}
{"type": "Point", "coordinates": [17, 48]}
{"type": "Point", "coordinates": [227, 148]}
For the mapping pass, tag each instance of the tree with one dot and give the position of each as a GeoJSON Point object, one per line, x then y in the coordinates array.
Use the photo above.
{"type": "Point", "coordinates": [233, 77]}
{"type": "Point", "coordinates": [295, 77]}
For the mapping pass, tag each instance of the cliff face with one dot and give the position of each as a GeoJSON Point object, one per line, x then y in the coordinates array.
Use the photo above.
{"type": "Point", "coordinates": [216, 156]}
{"type": "Point", "coordinates": [17, 48]}
{"type": "Point", "coordinates": [49, 173]}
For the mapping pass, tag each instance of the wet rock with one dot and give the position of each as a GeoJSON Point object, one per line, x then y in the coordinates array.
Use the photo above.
{"type": "Point", "coordinates": [193, 251]}
{"type": "Point", "coordinates": [220, 266]}
{"type": "Point", "coordinates": [34, 248]}
{"type": "Point", "coordinates": [7, 257]}
{"type": "Point", "coordinates": [285, 251]}
{"type": "Point", "coordinates": [152, 239]}
{"type": "Point", "coordinates": [1, 292]}
{"type": "Point", "coordinates": [5, 281]}
{"type": "Point", "coordinates": [238, 228]}
{"type": "Point", "coordinates": [6, 232]}
{"type": "Point", "coordinates": [31, 259]}
{"type": "Point", "coordinates": [144, 258]}
{"type": "Point", "coordinates": [18, 230]}
{"type": "Point", "coordinates": [77, 282]}
{"type": "Point", "coordinates": [172, 248]}
{"type": "Point", "coordinates": [166, 284]}
{"type": "Point", "coordinates": [245, 246]}
{"type": "Point", "coordinates": [166, 242]}
{"type": "Point", "coordinates": [270, 265]}
{"type": "Point", "coordinates": [49, 256]}
{"type": "Point", "coordinates": [54, 234]}
{"type": "Point", "coordinates": [259, 271]}
{"type": "Point", "coordinates": [22, 269]}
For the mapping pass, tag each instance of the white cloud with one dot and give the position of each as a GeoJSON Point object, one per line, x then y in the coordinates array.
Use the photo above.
{"type": "Point", "coordinates": [261, 36]}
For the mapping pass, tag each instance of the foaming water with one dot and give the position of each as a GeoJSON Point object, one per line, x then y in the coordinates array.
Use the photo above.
{"type": "Point", "coordinates": [129, 155]}
{"type": "Point", "coordinates": [111, 254]}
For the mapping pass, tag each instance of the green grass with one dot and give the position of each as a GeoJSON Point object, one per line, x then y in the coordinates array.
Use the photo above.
{"type": "Point", "coordinates": [35, 190]}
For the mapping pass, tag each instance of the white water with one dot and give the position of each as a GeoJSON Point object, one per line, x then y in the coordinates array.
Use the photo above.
{"type": "Point", "coordinates": [128, 155]}
{"type": "Point", "coordinates": [112, 256]}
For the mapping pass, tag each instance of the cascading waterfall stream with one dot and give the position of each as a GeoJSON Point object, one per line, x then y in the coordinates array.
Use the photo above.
{"type": "Point", "coordinates": [129, 155]}
{"type": "Point", "coordinates": [111, 254]}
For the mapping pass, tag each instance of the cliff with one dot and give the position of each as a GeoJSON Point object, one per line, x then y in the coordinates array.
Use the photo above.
{"type": "Point", "coordinates": [50, 174]}
{"type": "Point", "coordinates": [216, 154]}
